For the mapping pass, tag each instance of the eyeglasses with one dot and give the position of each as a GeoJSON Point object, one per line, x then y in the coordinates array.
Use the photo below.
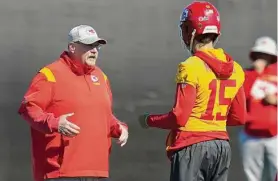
{"type": "Point", "coordinates": [91, 46]}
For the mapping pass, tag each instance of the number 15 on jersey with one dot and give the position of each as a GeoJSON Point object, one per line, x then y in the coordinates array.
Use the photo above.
{"type": "Point", "coordinates": [222, 100]}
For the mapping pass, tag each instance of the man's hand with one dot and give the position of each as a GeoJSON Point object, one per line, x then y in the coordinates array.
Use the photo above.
{"type": "Point", "coordinates": [143, 120]}
{"type": "Point", "coordinates": [124, 136]}
{"type": "Point", "coordinates": [67, 128]}
{"type": "Point", "coordinates": [271, 99]}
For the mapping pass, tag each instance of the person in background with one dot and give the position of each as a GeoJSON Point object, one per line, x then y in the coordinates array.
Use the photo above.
{"type": "Point", "coordinates": [258, 140]}
{"type": "Point", "coordinates": [69, 108]}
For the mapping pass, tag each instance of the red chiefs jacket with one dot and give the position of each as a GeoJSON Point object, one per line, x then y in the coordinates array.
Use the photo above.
{"type": "Point", "coordinates": [62, 87]}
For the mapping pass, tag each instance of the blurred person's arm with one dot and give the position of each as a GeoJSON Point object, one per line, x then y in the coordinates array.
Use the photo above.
{"type": "Point", "coordinates": [271, 99]}
{"type": "Point", "coordinates": [237, 113]}
{"type": "Point", "coordinates": [250, 78]}
{"type": "Point", "coordinates": [271, 76]}
{"type": "Point", "coordinates": [35, 102]}
{"type": "Point", "coordinates": [184, 102]}
{"type": "Point", "coordinates": [247, 85]}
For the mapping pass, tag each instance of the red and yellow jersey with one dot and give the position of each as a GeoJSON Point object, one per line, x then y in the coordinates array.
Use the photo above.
{"type": "Point", "coordinates": [209, 97]}
{"type": "Point", "coordinates": [213, 95]}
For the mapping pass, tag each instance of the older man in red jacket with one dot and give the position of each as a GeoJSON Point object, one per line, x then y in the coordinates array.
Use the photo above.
{"type": "Point", "coordinates": [69, 108]}
{"type": "Point", "coordinates": [259, 138]}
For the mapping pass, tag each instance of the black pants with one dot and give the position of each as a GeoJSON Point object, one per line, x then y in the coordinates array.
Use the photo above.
{"type": "Point", "coordinates": [78, 179]}
{"type": "Point", "coordinates": [205, 161]}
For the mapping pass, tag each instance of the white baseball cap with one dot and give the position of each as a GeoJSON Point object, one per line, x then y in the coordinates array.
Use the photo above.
{"type": "Point", "coordinates": [265, 45]}
{"type": "Point", "coordinates": [84, 34]}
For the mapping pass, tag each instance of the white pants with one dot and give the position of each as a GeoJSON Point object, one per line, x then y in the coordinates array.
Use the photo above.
{"type": "Point", "coordinates": [259, 156]}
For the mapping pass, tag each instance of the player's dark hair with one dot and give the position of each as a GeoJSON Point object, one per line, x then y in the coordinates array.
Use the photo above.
{"type": "Point", "coordinates": [206, 38]}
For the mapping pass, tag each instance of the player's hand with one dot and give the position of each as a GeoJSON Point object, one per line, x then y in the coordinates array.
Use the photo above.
{"type": "Point", "coordinates": [143, 120]}
{"type": "Point", "coordinates": [124, 135]}
{"type": "Point", "coordinates": [271, 99]}
{"type": "Point", "coordinates": [67, 128]}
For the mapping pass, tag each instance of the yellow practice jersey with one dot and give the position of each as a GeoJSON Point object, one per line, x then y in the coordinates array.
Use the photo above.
{"type": "Point", "coordinates": [214, 95]}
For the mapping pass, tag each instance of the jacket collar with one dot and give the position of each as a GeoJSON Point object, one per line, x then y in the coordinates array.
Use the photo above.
{"type": "Point", "coordinates": [76, 66]}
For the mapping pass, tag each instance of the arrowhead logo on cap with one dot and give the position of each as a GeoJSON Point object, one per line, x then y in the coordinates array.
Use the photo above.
{"type": "Point", "coordinates": [91, 31]}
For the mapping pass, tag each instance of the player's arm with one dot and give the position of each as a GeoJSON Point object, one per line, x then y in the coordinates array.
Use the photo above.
{"type": "Point", "coordinates": [237, 113]}
{"type": "Point", "coordinates": [178, 116]}
{"type": "Point", "coordinates": [35, 102]}
{"type": "Point", "coordinates": [115, 130]}
{"type": "Point", "coordinates": [184, 101]}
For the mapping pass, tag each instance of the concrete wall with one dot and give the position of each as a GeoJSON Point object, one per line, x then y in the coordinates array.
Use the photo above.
{"type": "Point", "coordinates": [141, 58]}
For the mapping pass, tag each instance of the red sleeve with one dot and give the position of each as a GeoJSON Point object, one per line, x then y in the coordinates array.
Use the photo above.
{"type": "Point", "coordinates": [248, 83]}
{"type": "Point", "coordinates": [237, 112]}
{"type": "Point", "coordinates": [34, 104]}
{"type": "Point", "coordinates": [250, 77]}
{"type": "Point", "coordinates": [115, 130]}
{"type": "Point", "coordinates": [184, 101]}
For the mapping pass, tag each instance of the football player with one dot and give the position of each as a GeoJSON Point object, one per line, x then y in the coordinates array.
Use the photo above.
{"type": "Point", "coordinates": [209, 97]}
